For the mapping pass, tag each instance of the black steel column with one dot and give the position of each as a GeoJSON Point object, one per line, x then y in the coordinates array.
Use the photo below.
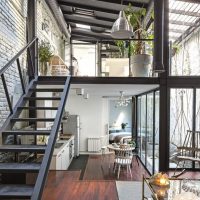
{"type": "Point", "coordinates": [164, 100]}
{"type": "Point", "coordinates": [158, 65]}
{"type": "Point", "coordinates": [31, 34]}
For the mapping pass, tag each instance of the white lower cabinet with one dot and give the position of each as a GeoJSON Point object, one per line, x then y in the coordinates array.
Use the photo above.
{"type": "Point", "coordinates": [61, 161]}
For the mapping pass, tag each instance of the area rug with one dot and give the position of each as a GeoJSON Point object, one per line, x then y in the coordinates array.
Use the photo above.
{"type": "Point", "coordinates": [130, 190]}
{"type": "Point", "coordinates": [79, 164]}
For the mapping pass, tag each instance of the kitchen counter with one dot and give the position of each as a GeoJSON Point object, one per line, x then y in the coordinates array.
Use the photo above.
{"type": "Point", "coordinates": [63, 154]}
{"type": "Point", "coordinates": [64, 142]}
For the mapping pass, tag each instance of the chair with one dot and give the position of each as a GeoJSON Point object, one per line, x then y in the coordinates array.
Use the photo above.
{"type": "Point", "coordinates": [190, 151]}
{"type": "Point", "coordinates": [104, 149]}
{"type": "Point", "coordinates": [123, 158]}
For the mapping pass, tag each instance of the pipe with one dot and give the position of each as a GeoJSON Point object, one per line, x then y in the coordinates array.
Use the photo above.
{"type": "Point", "coordinates": [59, 17]}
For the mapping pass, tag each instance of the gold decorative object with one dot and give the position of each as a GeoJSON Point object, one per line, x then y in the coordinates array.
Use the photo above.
{"type": "Point", "coordinates": [160, 179]}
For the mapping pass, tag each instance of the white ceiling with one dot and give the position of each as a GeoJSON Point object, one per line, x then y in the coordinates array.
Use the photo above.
{"type": "Point", "coordinates": [112, 89]}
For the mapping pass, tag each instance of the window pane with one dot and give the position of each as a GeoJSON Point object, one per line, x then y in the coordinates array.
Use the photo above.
{"type": "Point", "coordinates": [143, 129]}
{"type": "Point", "coordinates": [139, 125]}
{"type": "Point", "coordinates": [181, 104]}
{"type": "Point", "coordinates": [149, 138]}
{"type": "Point", "coordinates": [157, 121]}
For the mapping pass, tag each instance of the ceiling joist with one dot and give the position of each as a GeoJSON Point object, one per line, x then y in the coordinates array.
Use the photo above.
{"type": "Point", "coordinates": [95, 5]}
{"type": "Point", "coordinates": [183, 23]}
{"type": "Point", "coordinates": [91, 21]}
{"type": "Point", "coordinates": [89, 33]}
{"type": "Point", "coordinates": [182, 12]}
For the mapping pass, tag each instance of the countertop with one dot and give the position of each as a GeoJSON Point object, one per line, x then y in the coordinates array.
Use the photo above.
{"type": "Point", "coordinates": [65, 142]}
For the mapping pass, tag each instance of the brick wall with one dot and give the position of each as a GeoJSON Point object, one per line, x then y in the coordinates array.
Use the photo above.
{"type": "Point", "coordinates": [13, 37]}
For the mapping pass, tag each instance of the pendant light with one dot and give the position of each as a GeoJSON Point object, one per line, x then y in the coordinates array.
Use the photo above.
{"type": "Point", "coordinates": [121, 29]}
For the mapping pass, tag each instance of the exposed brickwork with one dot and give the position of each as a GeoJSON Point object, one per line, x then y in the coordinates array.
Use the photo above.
{"type": "Point", "coordinates": [13, 37]}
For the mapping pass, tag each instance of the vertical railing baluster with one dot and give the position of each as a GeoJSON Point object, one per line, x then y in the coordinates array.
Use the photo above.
{"type": "Point", "coordinates": [31, 61]}
{"type": "Point", "coordinates": [20, 75]}
{"type": "Point", "coordinates": [36, 57]}
{"type": "Point", "coordinates": [6, 93]}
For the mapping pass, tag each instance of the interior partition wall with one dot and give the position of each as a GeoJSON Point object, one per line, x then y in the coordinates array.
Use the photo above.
{"type": "Point", "coordinates": [148, 130]}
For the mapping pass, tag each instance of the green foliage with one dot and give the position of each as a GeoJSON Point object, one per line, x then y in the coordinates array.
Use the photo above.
{"type": "Point", "coordinates": [123, 125]}
{"type": "Point", "coordinates": [135, 18]}
{"type": "Point", "coordinates": [45, 52]}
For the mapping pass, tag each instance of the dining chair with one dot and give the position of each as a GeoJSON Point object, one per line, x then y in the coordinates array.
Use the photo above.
{"type": "Point", "coordinates": [123, 158]}
{"type": "Point", "coordinates": [104, 149]}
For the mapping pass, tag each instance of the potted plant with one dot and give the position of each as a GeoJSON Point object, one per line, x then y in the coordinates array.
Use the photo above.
{"type": "Point", "coordinates": [123, 125]}
{"type": "Point", "coordinates": [45, 54]}
{"type": "Point", "coordinates": [140, 59]}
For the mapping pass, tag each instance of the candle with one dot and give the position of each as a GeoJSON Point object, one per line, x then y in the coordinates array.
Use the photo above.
{"type": "Point", "coordinates": [163, 181]}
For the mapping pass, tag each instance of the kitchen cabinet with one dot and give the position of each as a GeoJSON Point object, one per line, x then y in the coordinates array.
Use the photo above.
{"type": "Point", "coordinates": [61, 157]}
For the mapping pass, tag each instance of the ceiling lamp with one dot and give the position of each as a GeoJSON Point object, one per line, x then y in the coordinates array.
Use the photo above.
{"type": "Point", "coordinates": [122, 101]}
{"type": "Point", "coordinates": [121, 28]}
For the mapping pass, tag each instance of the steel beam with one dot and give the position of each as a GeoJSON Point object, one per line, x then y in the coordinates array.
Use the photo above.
{"type": "Point", "coordinates": [95, 5]}
{"type": "Point", "coordinates": [91, 21]}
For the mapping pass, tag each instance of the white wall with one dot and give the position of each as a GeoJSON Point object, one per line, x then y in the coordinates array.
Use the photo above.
{"type": "Point", "coordinates": [93, 114]}
{"type": "Point", "coordinates": [119, 115]}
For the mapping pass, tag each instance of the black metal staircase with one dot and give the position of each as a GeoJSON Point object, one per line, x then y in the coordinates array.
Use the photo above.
{"type": "Point", "coordinates": [10, 187]}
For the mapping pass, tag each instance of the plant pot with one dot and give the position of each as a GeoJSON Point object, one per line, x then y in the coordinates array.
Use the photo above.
{"type": "Point", "coordinates": [44, 68]}
{"type": "Point", "coordinates": [141, 65]}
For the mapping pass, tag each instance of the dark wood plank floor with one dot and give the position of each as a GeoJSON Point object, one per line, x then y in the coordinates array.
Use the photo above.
{"type": "Point", "coordinates": [98, 170]}
{"type": "Point", "coordinates": [98, 181]}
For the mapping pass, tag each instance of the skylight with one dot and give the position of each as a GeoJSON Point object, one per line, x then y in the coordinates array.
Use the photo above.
{"type": "Point", "coordinates": [83, 26]}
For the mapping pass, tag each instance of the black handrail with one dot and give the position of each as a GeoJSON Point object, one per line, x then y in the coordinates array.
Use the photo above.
{"type": "Point", "coordinates": [42, 176]}
{"type": "Point", "coordinates": [16, 58]}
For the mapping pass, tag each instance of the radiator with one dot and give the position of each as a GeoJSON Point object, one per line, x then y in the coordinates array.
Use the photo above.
{"type": "Point", "coordinates": [94, 144]}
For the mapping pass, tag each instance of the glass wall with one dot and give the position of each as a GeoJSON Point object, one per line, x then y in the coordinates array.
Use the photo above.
{"type": "Point", "coordinates": [181, 117]}
{"type": "Point", "coordinates": [148, 130]}
{"type": "Point", "coordinates": [157, 125]}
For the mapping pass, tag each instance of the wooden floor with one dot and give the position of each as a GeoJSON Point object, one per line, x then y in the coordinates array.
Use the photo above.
{"type": "Point", "coordinates": [98, 181]}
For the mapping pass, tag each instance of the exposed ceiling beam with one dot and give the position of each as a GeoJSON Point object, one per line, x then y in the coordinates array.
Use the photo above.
{"type": "Point", "coordinates": [97, 15]}
{"type": "Point", "coordinates": [95, 5]}
{"type": "Point", "coordinates": [188, 32]}
{"type": "Point", "coordinates": [190, 1]}
{"type": "Point", "coordinates": [182, 23]}
{"type": "Point", "coordinates": [135, 3]}
{"type": "Point", "coordinates": [88, 21]}
{"type": "Point", "coordinates": [89, 33]}
{"type": "Point", "coordinates": [182, 12]}
{"type": "Point", "coordinates": [176, 30]}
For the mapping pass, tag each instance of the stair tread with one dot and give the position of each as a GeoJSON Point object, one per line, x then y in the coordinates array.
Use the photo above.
{"type": "Point", "coordinates": [42, 98]}
{"type": "Point", "coordinates": [6, 167]}
{"type": "Point", "coordinates": [16, 190]}
{"type": "Point", "coordinates": [28, 132]}
{"type": "Point", "coordinates": [22, 148]}
{"type": "Point", "coordinates": [46, 89]}
{"type": "Point", "coordinates": [38, 108]}
{"type": "Point", "coordinates": [32, 119]}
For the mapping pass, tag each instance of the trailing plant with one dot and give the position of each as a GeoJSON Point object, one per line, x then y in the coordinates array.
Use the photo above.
{"type": "Point", "coordinates": [45, 52]}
